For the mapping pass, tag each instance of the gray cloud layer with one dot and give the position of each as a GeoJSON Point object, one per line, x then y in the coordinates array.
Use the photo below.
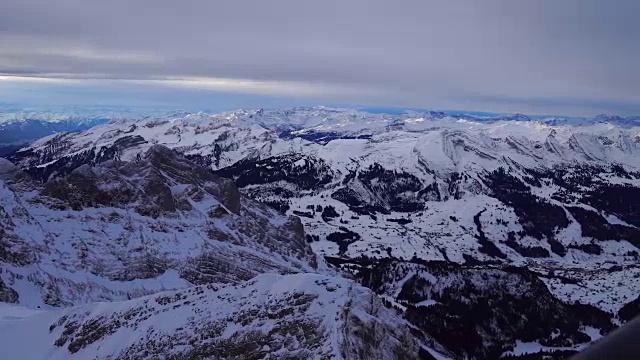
{"type": "Point", "coordinates": [534, 56]}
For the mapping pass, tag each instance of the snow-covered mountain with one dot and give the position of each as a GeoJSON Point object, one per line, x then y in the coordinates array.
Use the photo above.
{"type": "Point", "coordinates": [121, 230]}
{"type": "Point", "coordinates": [182, 265]}
{"type": "Point", "coordinates": [545, 208]}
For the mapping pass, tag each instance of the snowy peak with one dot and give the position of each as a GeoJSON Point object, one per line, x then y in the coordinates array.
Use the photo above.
{"type": "Point", "coordinates": [588, 146]}
{"type": "Point", "coordinates": [552, 145]}
{"type": "Point", "coordinates": [626, 144]}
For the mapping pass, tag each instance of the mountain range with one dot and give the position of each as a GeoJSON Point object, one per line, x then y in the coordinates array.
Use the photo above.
{"type": "Point", "coordinates": [443, 236]}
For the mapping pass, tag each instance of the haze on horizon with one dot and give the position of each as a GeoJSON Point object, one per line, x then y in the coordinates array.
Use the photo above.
{"type": "Point", "coordinates": [573, 57]}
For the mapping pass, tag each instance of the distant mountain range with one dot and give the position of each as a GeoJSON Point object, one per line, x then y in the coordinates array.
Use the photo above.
{"type": "Point", "coordinates": [18, 126]}
{"type": "Point", "coordinates": [14, 134]}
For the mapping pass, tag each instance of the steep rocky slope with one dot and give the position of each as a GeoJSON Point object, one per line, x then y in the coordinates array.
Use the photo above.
{"type": "Point", "coordinates": [124, 229]}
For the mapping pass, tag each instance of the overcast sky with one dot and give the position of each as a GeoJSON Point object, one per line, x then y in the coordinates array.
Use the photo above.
{"type": "Point", "coordinates": [563, 57]}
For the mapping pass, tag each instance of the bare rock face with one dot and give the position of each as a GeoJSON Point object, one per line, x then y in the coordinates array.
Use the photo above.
{"type": "Point", "coordinates": [13, 249]}
{"type": "Point", "coordinates": [169, 162]}
{"type": "Point", "coordinates": [294, 224]}
{"type": "Point", "coordinates": [145, 182]}
{"type": "Point", "coordinates": [7, 294]}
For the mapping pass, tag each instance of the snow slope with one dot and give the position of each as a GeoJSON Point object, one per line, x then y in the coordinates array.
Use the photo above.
{"type": "Point", "coordinates": [286, 316]}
